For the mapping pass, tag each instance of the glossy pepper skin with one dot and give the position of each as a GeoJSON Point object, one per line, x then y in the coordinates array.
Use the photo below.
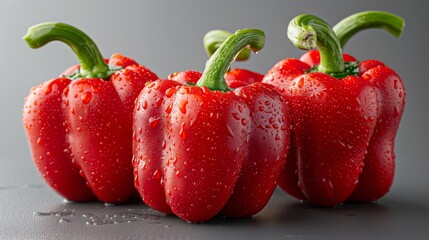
{"type": "Point", "coordinates": [204, 150]}
{"type": "Point", "coordinates": [236, 77]}
{"type": "Point", "coordinates": [80, 130]}
{"type": "Point", "coordinates": [344, 123]}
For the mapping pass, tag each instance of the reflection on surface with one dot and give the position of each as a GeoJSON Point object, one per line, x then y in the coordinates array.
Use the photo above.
{"type": "Point", "coordinates": [399, 214]}
{"type": "Point", "coordinates": [94, 214]}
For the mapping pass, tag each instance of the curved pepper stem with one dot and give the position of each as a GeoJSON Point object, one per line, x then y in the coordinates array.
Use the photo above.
{"type": "Point", "coordinates": [218, 64]}
{"type": "Point", "coordinates": [213, 39]}
{"type": "Point", "coordinates": [355, 23]}
{"type": "Point", "coordinates": [308, 31]}
{"type": "Point", "coordinates": [91, 61]}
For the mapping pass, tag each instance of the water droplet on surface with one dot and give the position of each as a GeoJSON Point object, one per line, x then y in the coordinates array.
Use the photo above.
{"type": "Point", "coordinates": [159, 102]}
{"type": "Point", "coordinates": [64, 220]}
{"type": "Point", "coordinates": [230, 132]}
{"type": "Point", "coordinates": [329, 187]}
{"type": "Point", "coordinates": [157, 175]}
{"type": "Point", "coordinates": [182, 106]}
{"type": "Point", "coordinates": [169, 92]}
{"type": "Point", "coordinates": [48, 89]}
{"type": "Point", "coordinates": [236, 116]}
{"type": "Point", "coordinates": [184, 90]}
{"type": "Point", "coordinates": [39, 141]}
{"type": "Point", "coordinates": [240, 108]}
{"type": "Point", "coordinates": [129, 216]}
{"type": "Point", "coordinates": [301, 83]}
{"type": "Point", "coordinates": [86, 97]}
{"type": "Point", "coordinates": [300, 185]}
{"type": "Point", "coordinates": [144, 104]}
{"type": "Point", "coordinates": [182, 132]}
{"type": "Point", "coordinates": [168, 108]}
{"type": "Point", "coordinates": [396, 111]}
{"type": "Point", "coordinates": [143, 165]}
{"type": "Point", "coordinates": [150, 84]}
{"type": "Point", "coordinates": [62, 213]}
{"type": "Point", "coordinates": [153, 121]}
{"type": "Point", "coordinates": [358, 101]}
{"type": "Point", "coordinates": [243, 122]}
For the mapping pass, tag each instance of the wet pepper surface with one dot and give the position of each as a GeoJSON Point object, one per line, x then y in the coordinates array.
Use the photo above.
{"type": "Point", "coordinates": [199, 152]}
{"type": "Point", "coordinates": [80, 128]}
{"type": "Point", "coordinates": [345, 114]}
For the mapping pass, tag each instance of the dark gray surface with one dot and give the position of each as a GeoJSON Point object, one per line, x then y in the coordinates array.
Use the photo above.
{"type": "Point", "coordinates": [167, 37]}
{"type": "Point", "coordinates": [36, 213]}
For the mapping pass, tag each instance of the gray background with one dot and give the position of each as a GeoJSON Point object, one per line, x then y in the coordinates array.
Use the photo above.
{"type": "Point", "coordinates": [166, 36]}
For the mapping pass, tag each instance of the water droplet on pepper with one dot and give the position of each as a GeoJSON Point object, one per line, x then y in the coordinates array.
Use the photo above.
{"type": "Point", "coordinates": [301, 83]}
{"type": "Point", "coordinates": [329, 187]}
{"type": "Point", "coordinates": [243, 122]}
{"type": "Point", "coordinates": [182, 132]}
{"type": "Point", "coordinates": [182, 106]}
{"type": "Point", "coordinates": [144, 104]}
{"type": "Point", "coordinates": [169, 92]}
{"type": "Point", "coordinates": [86, 97]}
{"type": "Point", "coordinates": [153, 121]}
{"type": "Point", "coordinates": [230, 132]}
{"type": "Point", "coordinates": [157, 175]}
{"type": "Point", "coordinates": [396, 111]}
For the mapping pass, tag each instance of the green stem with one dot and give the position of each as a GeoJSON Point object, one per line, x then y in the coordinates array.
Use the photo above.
{"type": "Point", "coordinates": [218, 64]}
{"type": "Point", "coordinates": [355, 23]}
{"type": "Point", "coordinates": [308, 31]}
{"type": "Point", "coordinates": [213, 39]}
{"type": "Point", "coordinates": [91, 61]}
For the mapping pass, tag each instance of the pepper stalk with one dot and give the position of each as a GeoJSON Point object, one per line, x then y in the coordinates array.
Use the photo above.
{"type": "Point", "coordinates": [307, 31]}
{"type": "Point", "coordinates": [219, 62]}
{"type": "Point", "coordinates": [214, 39]}
{"type": "Point", "coordinates": [92, 64]}
{"type": "Point", "coordinates": [355, 23]}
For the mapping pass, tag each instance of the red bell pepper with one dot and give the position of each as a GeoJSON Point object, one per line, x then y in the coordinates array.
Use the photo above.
{"type": "Point", "coordinates": [236, 77]}
{"type": "Point", "coordinates": [79, 125]}
{"type": "Point", "coordinates": [344, 115]}
{"type": "Point", "coordinates": [204, 149]}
